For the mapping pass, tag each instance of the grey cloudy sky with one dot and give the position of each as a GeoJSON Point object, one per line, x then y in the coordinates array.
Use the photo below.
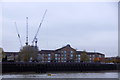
{"type": "Point", "coordinates": [84, 25]}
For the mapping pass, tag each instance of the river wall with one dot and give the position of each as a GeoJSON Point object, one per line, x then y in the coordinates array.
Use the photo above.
{"type": "Point", "coordinates": [48, 67]}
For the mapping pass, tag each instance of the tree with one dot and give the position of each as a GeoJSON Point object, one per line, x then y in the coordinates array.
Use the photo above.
{"type": "Point", "coordinates": [3, 56]}
{"type": "Point", "coordinates": [84, 57]}
{"type": "Point", "coordinates": [97, 59]}
{"type": "Point", "coordinates": [28, 53]}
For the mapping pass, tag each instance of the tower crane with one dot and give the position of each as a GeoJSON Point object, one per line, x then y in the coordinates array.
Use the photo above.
{"type": "Point", "coordinates": [34, 41]}
{"type": "Point", "coordinates": [35, 37]}
{"type": "Point", "coordinates": [18, 34]}
{"type": "Point", "coordinates": [29, 50]}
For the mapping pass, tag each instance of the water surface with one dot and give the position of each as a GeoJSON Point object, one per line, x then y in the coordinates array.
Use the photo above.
{"type": "Point", "coordinates": [63, 75]}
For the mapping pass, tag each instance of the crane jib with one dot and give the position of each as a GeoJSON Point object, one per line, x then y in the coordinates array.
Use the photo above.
{"type": "Point", "coordinates": [35, 37]}
{"type": "Point", "coordinates": [18, 34]}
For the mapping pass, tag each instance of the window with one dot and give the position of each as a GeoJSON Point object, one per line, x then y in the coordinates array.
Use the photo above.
{"type": "Point", "coordinates": [58, 58]}
{"type": "Point", "coordinates": [62, 55]}
{"type": "Point", "coordinates": [71, 51]}
{"type": "Point", "coordinates": [48, 61]}
{"type": "Point", "coordinates": [55, 58]}
{"type": "Point", "coordinates": [55, 55]}
{"type": "Point", "coordinates": [49, 58]}
{"type": "Point", "coordinates": [58, 55]}
{"type": "Point", "coordinates": [78, 58]}
{"type": "Point", "coordinates": [65, 51]}
{"type": "Point", "coordinates": [61, 58]}
{"type": "Point", "coordinates": [71, 55]}
{"type": "Point", "coordinates": [90, 55]}
{"type": "Point", "coordinates": [65, 58]}
{"type": "Point", "coordinates": [99, 55]}
{"type": "Point", "coordinates": [49, 54]}
{"type": "Point", "coordinates": [90, 58]}
{"type": "Point", "coordinates": [71, 58]}
{"type": "Point", "coordinates": [79, 55]}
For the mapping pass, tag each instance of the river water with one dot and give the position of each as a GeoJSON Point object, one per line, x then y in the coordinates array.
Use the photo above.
{"type": "Point", "coordinates": [63, 75]}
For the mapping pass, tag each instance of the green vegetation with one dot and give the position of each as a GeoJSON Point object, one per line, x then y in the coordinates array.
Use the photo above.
{"type": "Point", "coordinates": [113, 60]}
{"type": "Point", "coordinates": [2, 53]}
{"type": "Point", "coordinates": [84, 57]}
{"type": "Point", "coordinates": [3, 56]}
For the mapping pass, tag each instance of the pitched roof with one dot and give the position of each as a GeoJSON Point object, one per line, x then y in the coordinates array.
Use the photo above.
{"type": "Point", "coordinates": [95, 53]}
{"type": "Point", "coordinates": [64, 47]}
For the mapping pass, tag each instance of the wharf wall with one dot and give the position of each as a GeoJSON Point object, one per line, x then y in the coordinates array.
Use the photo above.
{"type": "Point", "coordinates": [54, 66]}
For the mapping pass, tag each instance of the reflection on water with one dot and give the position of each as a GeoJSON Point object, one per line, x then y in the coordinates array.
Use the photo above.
{"type": "Point", "coordinates": [64, 75]}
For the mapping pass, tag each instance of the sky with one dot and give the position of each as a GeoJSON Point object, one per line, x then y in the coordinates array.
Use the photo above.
{"type": "Point", "coordinates": [90, 26]}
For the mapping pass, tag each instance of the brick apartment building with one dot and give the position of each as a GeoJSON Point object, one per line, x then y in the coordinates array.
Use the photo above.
{"type": "Point", "coordinates": [67, 54]}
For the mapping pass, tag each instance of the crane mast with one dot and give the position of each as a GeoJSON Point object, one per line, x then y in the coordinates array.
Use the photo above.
{"type": "Point", "coordinates": [35, 37]}
{"type": "Point", "coordinates": [26, 31]}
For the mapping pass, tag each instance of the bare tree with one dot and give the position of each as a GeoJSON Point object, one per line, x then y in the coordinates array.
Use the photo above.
{"type": "Point", "coordinates": [28, 53]}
